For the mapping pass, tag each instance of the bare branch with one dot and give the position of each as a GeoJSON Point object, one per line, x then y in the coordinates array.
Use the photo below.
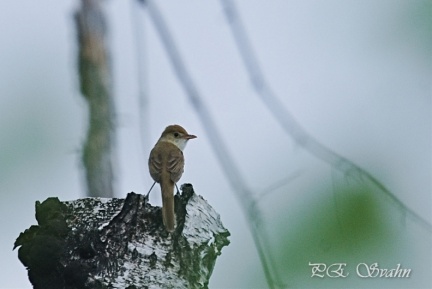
{"type": "Point", "coordinates": [288, 122]}
{"type": "Point", "coordinates": [232, 173]}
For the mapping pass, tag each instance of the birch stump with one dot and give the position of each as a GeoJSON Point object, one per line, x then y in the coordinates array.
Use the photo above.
{"type": "Point", "coordinates": [121, 243]}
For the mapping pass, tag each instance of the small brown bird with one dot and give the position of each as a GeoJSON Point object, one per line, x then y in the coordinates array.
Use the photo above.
{"type": "Point", "coordinates": [166, 165]}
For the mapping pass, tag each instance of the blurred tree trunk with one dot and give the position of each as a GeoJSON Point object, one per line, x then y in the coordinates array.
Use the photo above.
{"type": "Point", "coordinates": [96, 86]}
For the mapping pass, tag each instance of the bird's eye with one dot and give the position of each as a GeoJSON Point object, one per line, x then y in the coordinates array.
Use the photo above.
{"type": "Point", "coordinates": [176, 134]}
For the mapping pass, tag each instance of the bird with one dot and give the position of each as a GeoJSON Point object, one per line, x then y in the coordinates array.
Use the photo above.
{"type": "Point", "coordinates": [166, 166]}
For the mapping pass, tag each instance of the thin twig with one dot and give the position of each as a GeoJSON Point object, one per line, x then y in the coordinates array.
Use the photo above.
{"type": "Point", "coordinates": [139, 29]}
{"type": "Point", "coordinates": [288, 122]}
{"type": "Point", "coordinates": [278, 184]}
{"type": "Point", "coordinates": [230, 169]}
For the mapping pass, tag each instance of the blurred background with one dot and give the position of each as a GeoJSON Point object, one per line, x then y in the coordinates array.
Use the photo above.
{"type": "Point", "coordinates": [356, 76]}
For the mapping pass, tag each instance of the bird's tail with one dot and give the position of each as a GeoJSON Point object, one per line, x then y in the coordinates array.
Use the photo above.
{"type": "Point", "coordinates": [168, 217]}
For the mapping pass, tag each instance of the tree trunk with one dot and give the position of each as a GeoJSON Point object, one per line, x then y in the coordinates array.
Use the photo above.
{"type": "Point", "coordinates": [95, 77]}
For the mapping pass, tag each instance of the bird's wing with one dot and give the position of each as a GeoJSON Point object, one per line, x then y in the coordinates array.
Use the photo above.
{"type": "Point", "coordinates": [166, 157]}
{"type": "Point", "coordinates": [175, 164]}
{"type": "Point", "coordinates": [155, 164]}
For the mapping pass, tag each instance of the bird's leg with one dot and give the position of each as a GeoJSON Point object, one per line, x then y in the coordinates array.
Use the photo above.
{"type": "Point", "coordinates": [147, 196]}
{"type": "Point", "coordinates": [178, 192]}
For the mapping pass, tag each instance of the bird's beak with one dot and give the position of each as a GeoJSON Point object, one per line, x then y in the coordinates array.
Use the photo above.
{"type": "Point", "coordinates": [189, 136]}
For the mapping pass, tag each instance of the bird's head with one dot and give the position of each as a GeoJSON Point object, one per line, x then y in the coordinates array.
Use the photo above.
{"type": "Point", "coordinates": [176, 135]}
